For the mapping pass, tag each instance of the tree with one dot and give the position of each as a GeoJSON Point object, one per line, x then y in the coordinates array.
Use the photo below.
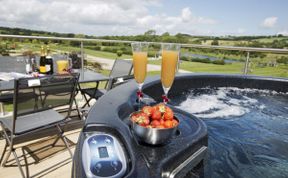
{"type": "Point", "coordinates": [215, 42]}
{"type": "Point", "coordinates": [150, 33]}
{"type": "Point", "coordinates": [283, 60]}
{"type": "Point", "coordinates": [165, 34]}
{"type": "Point", "coordinates": [280, 35]}
{"type": "Point", "coordinates": [119, 53]}
{"type": "Point", "coordinates": [70, 35]}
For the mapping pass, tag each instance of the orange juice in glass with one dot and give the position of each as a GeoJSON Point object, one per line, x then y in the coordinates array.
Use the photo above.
{"type": "Point", "coordinates": [140, 55]}
{"type": "Point", "coordinates": [140, 66]}
{"type": "Point", "coordinates": [62, 66]}
{"type": "Point", "coordinates": [170, 55]}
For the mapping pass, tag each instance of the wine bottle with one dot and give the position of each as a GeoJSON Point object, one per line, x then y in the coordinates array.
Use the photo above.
{"type": "Point", "coordinates": [42, 67]}
{"type": "Point", "coordinates": [49, 62]}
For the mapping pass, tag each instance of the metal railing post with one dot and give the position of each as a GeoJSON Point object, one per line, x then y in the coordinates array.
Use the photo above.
{"type": "Point", "coordinates": [82, 59]}
{"type": "Point", "coordinates": [2, 110]}
{"type": "Point", "coordinates": [246, 63]}
{"type": "Point", "coordinates": [178, 63]}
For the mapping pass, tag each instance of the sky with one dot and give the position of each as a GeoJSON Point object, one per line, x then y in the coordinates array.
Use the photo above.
{"type": "Point", "coordinates": [132, 17]}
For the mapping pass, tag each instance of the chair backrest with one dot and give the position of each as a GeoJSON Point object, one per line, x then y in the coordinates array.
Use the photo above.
{"type": "Point", "coordinates": [121, 69]}
{"type": "Point", "coordinates": [38, 94]}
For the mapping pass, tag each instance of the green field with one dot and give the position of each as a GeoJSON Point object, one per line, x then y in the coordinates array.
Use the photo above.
{"type": "Point", "coordinates": [102, 54]}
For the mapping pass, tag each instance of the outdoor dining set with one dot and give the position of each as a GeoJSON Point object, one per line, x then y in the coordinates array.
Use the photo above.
{"type": "Point", "coordinates": [45, 102]}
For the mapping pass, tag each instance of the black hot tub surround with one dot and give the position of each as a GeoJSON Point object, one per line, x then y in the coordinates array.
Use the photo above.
{"type": "Point", "coordinates": [183, 155]}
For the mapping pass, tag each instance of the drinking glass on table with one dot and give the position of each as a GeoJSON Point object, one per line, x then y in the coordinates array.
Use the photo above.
{"type": "Point", "coordinates": [62, 66]}
{"type": "Point", "coordinates": [140, 55]}
{"type": "Point", "coordinates": [170, 56]}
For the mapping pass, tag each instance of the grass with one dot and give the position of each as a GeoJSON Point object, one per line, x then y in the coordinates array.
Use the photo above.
{"type": "Point", "coordinates": [279, 71]}
{"type": "Point", "coordinates": [102, 54]}
{"type": "Point", "coordinates": [233, 68]}
{"type": "Point", "coordinates": [101, 84]}
{"type": "Point", "coordinates": [153, 73]}
{"type": "Point", "coordinates": [224, 42]}
{"type": "Point", "coordinates": [8, 107]}
{"type": "Point", "coordinates": [269, 40]}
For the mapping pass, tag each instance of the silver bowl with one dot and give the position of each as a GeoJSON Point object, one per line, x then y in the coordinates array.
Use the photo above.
{"type": "Point", "coordinates": [153, 136]}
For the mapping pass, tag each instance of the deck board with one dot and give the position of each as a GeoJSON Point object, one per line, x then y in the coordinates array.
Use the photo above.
{"type": "Point", "coordinates": [62, 170]}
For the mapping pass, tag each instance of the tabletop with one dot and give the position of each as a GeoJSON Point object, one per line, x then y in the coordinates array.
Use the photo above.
{"type": "Point", "coordinates": [86, 76]}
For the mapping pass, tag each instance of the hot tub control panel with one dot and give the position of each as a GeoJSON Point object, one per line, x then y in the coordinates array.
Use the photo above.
{"type": "Point", "coordinates": [103, 156]}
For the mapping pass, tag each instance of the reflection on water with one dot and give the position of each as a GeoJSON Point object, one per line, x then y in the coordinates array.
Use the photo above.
{"type": "Point", "coordinates": [248, 130]}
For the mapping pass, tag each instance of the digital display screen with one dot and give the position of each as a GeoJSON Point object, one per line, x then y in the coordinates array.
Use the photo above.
{"type": "Point", "coordinates": [103, 153]}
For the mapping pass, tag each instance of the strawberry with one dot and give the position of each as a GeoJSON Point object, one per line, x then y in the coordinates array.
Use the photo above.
{"type": "Point", "coordinates": [161, 107]}
{"type": "Point", "coordinates": [148, 110]}
{"type": "Point", "coordinates": [160, 127]}
{"type": "Point", "coordinates": [168, 124]}
{"type": "Point", "coordinates": [155, 123]}
{"type": "Point", "coordinates": [168, 115]}
{"type": "Point", "coordinates": [156, 115]}
{"type": "Point", "coordinates": [162, 121]}
{"type": "Point", "coordinates": [175, 123]}
{"type": "Point", "coordinates": [142, 119]}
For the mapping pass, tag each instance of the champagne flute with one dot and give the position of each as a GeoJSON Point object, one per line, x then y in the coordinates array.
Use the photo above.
{"type": "Point", "coordinates": [140, 53]}
{"type": "Point", "coordinates": [170, 56]}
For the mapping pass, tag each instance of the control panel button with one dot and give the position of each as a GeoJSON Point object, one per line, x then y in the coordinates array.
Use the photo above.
{"type": "Point", "coordinates": [114, 164]}
{"type": "Point", "coordinates": [107, 140]}
{"type": "Point", "coordinates": [94, 142]}
{"type": "Point", "coordinates": [98, 166]}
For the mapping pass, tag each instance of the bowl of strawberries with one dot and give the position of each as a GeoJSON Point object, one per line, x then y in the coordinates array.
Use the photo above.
{"type": "Point", "coordinates": [154, 124]}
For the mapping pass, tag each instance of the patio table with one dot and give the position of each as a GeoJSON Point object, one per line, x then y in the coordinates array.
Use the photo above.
{"type": "Point", "coordinates": [86, 76]}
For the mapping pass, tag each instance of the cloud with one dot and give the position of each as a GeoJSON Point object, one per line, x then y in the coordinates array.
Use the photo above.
{"type": "Point", "coordinates": [186, 16]}
{"type": "Point", "coordinates": [185, 22]}
{"type": "Point", "coordinates": [97, 17]}
{"type": "Point", "coordinates": [269, 22]}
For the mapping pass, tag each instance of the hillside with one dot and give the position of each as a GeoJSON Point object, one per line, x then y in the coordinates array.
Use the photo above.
{"type": "Point", "coordinates": [276, 41]}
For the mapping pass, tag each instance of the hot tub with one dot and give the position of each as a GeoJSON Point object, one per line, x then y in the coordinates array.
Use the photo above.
{"type": "Point", "coordinates": [185, 154]}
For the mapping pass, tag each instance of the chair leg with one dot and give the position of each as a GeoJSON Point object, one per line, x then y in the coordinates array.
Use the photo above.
{"type": "Point", "coordinates": [26, 163]}
{"type": "Point", "coordinates": [6, 158]}
{"type": "Point", "coordinates": [67, 145]}
{"type": "Point", "coordinates": [18, 163]}
{"type": "Point", "coordinates": [3, 153]}
{"type": "Point", "coordinates": [53, 144]}
{"type": "Point", "coordinates": [87, 101]}
{"type": "Point", "coordinates": [77, 108]}
{"type": "Point", "coordinates": [7, 144]}
{"type": "Point", "coordinates": [65, 141]}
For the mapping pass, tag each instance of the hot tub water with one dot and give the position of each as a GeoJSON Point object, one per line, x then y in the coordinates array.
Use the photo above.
{"type": "Point", "coordinates": [248, 130]}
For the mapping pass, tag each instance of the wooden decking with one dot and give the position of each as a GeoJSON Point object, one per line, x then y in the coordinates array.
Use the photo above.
{"type": "Point", "coordinates": [56, 160]}
{"type": "Point", "coordinates": [42, 155]}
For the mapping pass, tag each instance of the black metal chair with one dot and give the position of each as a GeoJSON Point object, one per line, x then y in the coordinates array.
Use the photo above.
{"type": "Point", "coordinates": [32, 115]}
{"type": "Point", "coordinates": [120, 73]}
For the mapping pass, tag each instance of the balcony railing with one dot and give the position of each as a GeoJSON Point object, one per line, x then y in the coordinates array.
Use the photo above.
{"type": "Point", "coordinates": [247, 50]}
